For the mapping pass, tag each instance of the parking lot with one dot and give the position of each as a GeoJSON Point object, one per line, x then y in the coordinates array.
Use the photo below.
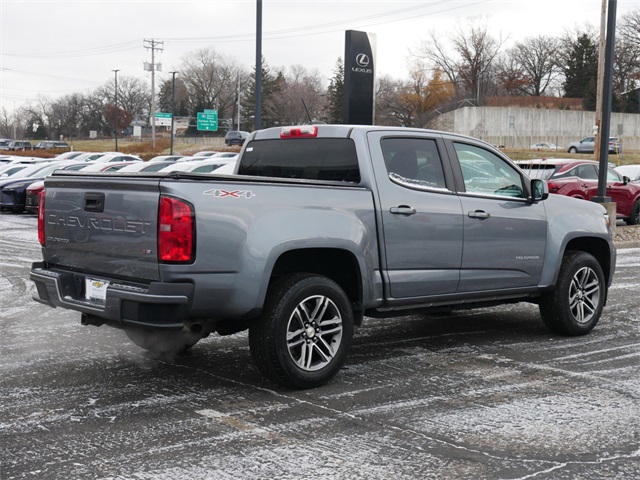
{"type": "Point", "coordinates": [480, 394]}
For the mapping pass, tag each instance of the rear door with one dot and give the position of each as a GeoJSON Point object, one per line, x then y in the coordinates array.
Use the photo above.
{"type": "Point", "coordinates": [504, 234]}
{"type": "Point", "coordinates": [421, 216]}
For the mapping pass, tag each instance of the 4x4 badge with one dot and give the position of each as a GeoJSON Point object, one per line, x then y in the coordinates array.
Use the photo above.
{"type": "Point", "coordinates": [219, 193]}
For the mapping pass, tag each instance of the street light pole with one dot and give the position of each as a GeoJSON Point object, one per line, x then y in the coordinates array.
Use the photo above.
{"type": "Point", "coordinates": [173, 96]}
{"type": "Point", "coordinates": [116, 111]}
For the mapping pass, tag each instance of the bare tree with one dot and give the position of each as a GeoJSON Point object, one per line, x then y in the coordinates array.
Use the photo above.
{"type": "Point", "coordinates": [629, 27]}
{"type": "Point", "coordinates": [211, 79]}
{"type": "Point", "coordinates": [538, 60]}
{"type": "Point", "coordinates": [467, 60]}
{"type": "Point", "coordinates": [6, 123]}
{"type": "Point", "coordinates": [299, 97]}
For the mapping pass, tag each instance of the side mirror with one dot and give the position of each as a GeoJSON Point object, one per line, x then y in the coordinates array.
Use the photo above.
{"type": "Point", "coordinates": [539, 190]}
{"type": "Point", "coordinates": [625, 179]}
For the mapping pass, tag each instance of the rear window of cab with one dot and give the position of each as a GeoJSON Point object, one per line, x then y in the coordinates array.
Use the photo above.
{"type": "Point", "coordinates": [332, 159]}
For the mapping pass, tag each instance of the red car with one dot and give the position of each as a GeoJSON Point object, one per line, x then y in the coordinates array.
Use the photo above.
{"type": "Point", "coordinates": [579, 179]}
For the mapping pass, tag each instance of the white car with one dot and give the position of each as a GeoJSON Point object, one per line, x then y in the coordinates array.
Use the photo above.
{"type": "Point", "coordinates": [231, 155]}
{"type": "Point", "coordinates": [205, 153]}
{"type": "Point", "coordinates": [145, 167]}
{"type": "Point", "coordinates": [67, 156]}
{"type": "Point", "coordinates": [631, 171]}
{"type": "Point", "coordinates": [198, 166]}
{"type": "Point", "coordinates": [167, 158]}
{"type": "Point", "coordinates": [227, 169]}
{"type": "Point", "coordinates": [118, 157]}
{"type": "Point", "coordinates": [544, 146]}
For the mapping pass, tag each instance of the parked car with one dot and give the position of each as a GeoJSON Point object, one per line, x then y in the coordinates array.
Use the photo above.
{"type": "Point", "coordinates": [587, 145]}
{"type": "Point", "coordinates": [107, 166]}
{"type": "Point", "coordinates": [631, 171]}
{"type": "Point", "coordinates": [67, 155]}
{"type": "Point", "coordinates": [118, 157]}
{"type": "Point", "coordinates": [50, 144]}
{"type": "Point", "coordinates": [198, 166]}
{"type": "Point", "coordinates": [20, 145]}
{"type": "Point", "coordinates": [13, 191]}
{"type": "Point", "coordinates": [544, 146]}
{"type": "Point", "coordinates": [579, 179]}
{"type": "Point", "coordinates": [235, 137]}
{"type": "Point", "coordinates": [4, 143]}
{"type": "Point", "coordinates": [205, 153]}
{"type": "Point", "coordinates": [33, 190]}
{"type": "Point", "coordinates": [145, 166]}
{"type": "Point", "coordinates": [167, 158]}
{"type": "Point", "coordinates": [232, 155]}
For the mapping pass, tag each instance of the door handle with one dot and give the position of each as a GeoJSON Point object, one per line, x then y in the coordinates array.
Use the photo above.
{"type": "Point", "coordinates": [479, 214]}
{"type": "Point", "coordinates": [403, 210]}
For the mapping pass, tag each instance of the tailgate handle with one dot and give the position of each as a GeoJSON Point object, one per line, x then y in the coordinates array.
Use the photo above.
{"type": "Point", "coordinates": [94, 202]}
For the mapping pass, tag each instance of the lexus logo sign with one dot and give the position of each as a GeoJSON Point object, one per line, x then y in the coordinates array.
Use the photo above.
{"type": "Point", "coordinates": [362, 59]}
{"type": "Point", "coordinates": [362, 62]}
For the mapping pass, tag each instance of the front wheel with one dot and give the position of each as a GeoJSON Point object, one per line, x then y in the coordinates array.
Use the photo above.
{"type": "Point", "coordinates": [163, 342]}
{"type": "Point", "coordinates": [634, 218]}
{"type": "Point", "coordinates": [305, 331]}
{"type": "Point", "coordinates": [573, 150]}
{"type": "Point", "coordinates": [574, 306]}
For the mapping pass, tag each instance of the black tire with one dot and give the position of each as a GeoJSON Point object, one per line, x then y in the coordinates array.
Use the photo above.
{"type": "Point", "coordinates": [305, 331]}
{"type": "Point", "coordinates": [634, 218]}
{"type": "Point", "coordinates": [163, 342]}
{"type": "Point", "coordinates": [573, 150]}
{"type": "Point", "coordinates": [575, 305]}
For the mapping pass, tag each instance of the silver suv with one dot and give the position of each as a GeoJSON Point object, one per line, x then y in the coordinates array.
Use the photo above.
{"type": "Point", "coordinates": [587, 145]}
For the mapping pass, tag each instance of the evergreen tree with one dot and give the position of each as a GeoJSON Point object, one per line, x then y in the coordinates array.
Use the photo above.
{"type": "Point", "coordinates": [581, 71]}
{"type": "Point", "coordinates": [335, 94]}
{"type": "Point", "coordinates": [270, 86]}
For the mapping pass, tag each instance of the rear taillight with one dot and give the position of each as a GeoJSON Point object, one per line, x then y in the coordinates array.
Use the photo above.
{"type": "Point", "coordinates": [175, 231]}
{"type": "Point", "coordinates": [41, 218]}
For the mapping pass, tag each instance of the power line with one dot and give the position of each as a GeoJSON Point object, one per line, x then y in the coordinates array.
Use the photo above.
{"type": "Point", "coordinates": [273, 35]}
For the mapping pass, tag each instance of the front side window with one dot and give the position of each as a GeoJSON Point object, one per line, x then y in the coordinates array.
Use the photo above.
{"type": "Point", "coordinates": [413, 162]}
{"type": "Point", "coordinates": [485, 173]}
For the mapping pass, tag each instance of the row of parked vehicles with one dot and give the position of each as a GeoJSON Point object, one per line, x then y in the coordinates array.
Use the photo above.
{"type": "Point", "coordinates": [22, 178]}
{"type": "Point", "coordinates": [8, 144]}
{"type": "Point", "coordinates": [586, 145]}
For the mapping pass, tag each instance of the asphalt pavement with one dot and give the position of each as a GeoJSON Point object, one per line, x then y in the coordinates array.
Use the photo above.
{"type": "Point", "coordinates": [481, 394]}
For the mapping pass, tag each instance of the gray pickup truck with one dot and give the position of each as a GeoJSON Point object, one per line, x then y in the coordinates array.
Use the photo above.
{"type": "Point", "coordinates": [319, 227]}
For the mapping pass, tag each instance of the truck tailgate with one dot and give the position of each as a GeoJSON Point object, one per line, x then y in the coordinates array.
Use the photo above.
{"type": "Point", "coordinates": [102, 225]}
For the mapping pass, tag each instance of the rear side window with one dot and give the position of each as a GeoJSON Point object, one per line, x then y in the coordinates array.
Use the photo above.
{"type": "Point", "coordinates": [310, 158]}
{"type": "Point", "coordinates": [413, 162]}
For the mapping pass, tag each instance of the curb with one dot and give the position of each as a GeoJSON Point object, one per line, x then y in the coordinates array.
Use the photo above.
{"type": "Point", "coordinates": [629, 244]}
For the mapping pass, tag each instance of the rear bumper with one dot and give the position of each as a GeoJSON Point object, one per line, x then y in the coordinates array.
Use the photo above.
{"type": "Point", "coordinates": [156, 305]}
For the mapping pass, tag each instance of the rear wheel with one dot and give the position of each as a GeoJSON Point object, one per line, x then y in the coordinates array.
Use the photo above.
{"type": "Point", "coordinates": [163, 342]}
{"type": "Point", "coordinates": [305, 331]}
{"type": "Point", "coordinates": [575, 305]}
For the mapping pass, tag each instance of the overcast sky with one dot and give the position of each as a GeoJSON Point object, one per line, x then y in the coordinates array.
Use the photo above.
{"type": "Point", "coordinates": [57, 47]}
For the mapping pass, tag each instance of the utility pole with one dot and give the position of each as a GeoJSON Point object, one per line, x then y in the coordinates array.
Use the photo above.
{"type": "Point", "coordinates": [600, 82]}
{"type": "Point", "coordinates": [116, 102]}
{"type": "Point", "coordinates": [173, 98]}
{"type": "Point", "coordinates": [258, 117]}
{"type": "Point", "coordinates": [153, 45]}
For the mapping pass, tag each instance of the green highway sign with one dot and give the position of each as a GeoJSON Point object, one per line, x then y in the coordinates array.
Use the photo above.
{"type": "Point", "coordinates": [208, 120]}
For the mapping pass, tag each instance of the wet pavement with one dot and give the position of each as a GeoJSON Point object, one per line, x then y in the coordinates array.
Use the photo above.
{"type": "Point", "coordinates": [480, 394]}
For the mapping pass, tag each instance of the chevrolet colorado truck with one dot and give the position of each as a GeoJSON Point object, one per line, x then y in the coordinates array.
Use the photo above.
{"type": "Point", "coordinates": [319, 227]}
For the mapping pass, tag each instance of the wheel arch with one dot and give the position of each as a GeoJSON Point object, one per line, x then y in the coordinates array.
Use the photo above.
{"type": "Point", "coordinates": [338, 264]}
{"type": "Point", "coordinates": [599, 248]}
